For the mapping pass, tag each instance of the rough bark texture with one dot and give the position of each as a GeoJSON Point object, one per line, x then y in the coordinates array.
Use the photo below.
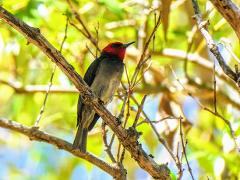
{"type": "Point", "coordinates": [230, 12]}
{"type": "Point", "coordinates": [37, 135]}
{"type": "Point", "coordinates": [130, 142]}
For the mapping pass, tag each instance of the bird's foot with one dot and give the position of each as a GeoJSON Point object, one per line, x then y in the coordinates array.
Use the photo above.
{"type": "Point", "coordinates": [119, 121]}
{"type": "Point", "coordinates": [100, 101]}
{"type": "Point", "coordinates": [77, 148]}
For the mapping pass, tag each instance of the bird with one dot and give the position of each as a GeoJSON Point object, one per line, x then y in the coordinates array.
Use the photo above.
{"type": "Point", "coordinates": [103, 76]}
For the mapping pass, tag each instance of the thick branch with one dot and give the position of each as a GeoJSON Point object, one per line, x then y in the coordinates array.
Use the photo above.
{"type": "Point", "coordinates": [34, 36]}
{"type": "Point", "coordinates": [37, 135]}
{"type": "Point", "coordinates": [230, 12]}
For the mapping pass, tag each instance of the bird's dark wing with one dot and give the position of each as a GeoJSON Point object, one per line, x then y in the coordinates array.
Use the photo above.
{"type": "Point", "coordinates": [96, 116]}
{"type": "Point", "coordinates": [88, 78]}
{"type": "Point", "coordinates": [79, 110]}
{"type": "Point", "coordinates": [91, 72]}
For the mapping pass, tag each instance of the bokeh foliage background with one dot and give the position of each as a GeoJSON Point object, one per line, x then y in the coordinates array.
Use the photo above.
{"type": "Point", "coordinates": [210, 147]}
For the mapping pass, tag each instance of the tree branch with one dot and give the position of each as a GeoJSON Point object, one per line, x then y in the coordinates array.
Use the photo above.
{"type": "Point", "coordinates": [37, 135]}
{"type": "Point", "coordinates": [131, 144]}
{"type": "Point", "coordinates": [202, 26]}
{"type": "Point", "coordinates": [230, 12]}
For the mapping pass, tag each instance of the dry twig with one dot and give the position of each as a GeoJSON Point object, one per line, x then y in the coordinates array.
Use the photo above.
{"type": "Point", "coordinates": [184, 148]}
{"type": "Point", "coordinates": [140, 109]}
{"type": "Point", "coordinates": [85, 30]}
{"type": "Point", "coordinates": [107, 146]}
{"type": "Point", "coordinates": [142, 58]}
{"type": "Point", "coordinates": [51, 79]}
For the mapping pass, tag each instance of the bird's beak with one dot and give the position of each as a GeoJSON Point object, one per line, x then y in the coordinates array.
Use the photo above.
{"type": "Point", "coordinates": [128, 44]}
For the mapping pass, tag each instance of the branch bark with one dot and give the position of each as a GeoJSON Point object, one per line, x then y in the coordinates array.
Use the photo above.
{"type": "Point", "coordinates": [230, 12]}
{"type": "Point", "coordinates": [37, 135]}
{"type": "Point", "coordinates": [202, 26]}
{"type": "Point", "coordinates": [131, 144]}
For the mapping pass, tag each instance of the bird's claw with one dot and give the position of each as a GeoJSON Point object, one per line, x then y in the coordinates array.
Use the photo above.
{"type": "Point", "coordinates": [118, 120]}
{"type": "Point", "coordinates": [100, 101]}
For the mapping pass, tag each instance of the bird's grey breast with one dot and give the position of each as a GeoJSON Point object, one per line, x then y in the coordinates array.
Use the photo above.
{"type": "Point", "coordinates": [107, 79]}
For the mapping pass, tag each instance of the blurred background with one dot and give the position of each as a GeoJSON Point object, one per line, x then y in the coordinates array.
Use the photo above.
{"type": "Point", "coordinates": [180, 64]}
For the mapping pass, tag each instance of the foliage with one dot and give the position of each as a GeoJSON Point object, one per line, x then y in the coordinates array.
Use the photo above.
{"type": "Point", "coordinates": [210, 148]}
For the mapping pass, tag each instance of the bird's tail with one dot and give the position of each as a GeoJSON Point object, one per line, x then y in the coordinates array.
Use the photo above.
{"type": "Point", "coordinates": [80, 141]}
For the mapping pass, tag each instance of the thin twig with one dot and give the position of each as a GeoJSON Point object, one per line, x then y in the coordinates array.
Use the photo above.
{"type": "Point", "coordinates": [85, 30]}
{"type": "Point", "coordinates": [157, 121]}
{"type": "Point", "coordinates": [126, 102]}
{"type": "Point", "coordinates": [120, 158]}
{"type": "Point", "coordinates": [214, 87]}
{"type": "Point", "coordinates": [154, 37]}
{"type": "Point", "coordinates": [77, 28]}
{"type": "Point", "coordinates": [51, 78]}
{"type": "Point", "coordinates": [65, 34]}
{"type": "Point", "coordinates": [97, 39]}
{"type": "Point", "coordinates": [189, 47]}
{"type": "Point", "coordinates": [140, 108]}
{"type": "Point", "coordinates": [232, 132]}
{"type": "Point", "coordinates": [107, 146]}
{"type": "Point", "coordinates": [89, 49]}
{"type": "Point", "coordinates": [180, 169]}
{"type": "Point", "coordinates": [137, 81]}
{"type": "Point", "coordinates": [184, 148]}
{"type": "Point", "coordinates": [45, 98]}
{"type": "Point", "coordinates": [120, 117]}
{"type": "Point", "coordinates": [139, 65]}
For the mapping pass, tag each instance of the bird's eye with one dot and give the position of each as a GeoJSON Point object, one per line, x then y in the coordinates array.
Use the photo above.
{"type": "Point", "coordinates": [116, 45]}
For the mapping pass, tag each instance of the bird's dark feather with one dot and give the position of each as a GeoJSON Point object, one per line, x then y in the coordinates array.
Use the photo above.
{"type": "Point", "coordinates": [88, 78]}
{"type": "Point", "coordinates": [95, 118]}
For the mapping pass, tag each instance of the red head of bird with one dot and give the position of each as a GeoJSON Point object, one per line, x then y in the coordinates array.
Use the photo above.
{"type": "Point", "coordinates": [117, 49]}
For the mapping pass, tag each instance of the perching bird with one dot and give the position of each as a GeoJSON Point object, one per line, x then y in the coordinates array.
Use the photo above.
{"type": "Point", "coordinates": [103, 76]}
